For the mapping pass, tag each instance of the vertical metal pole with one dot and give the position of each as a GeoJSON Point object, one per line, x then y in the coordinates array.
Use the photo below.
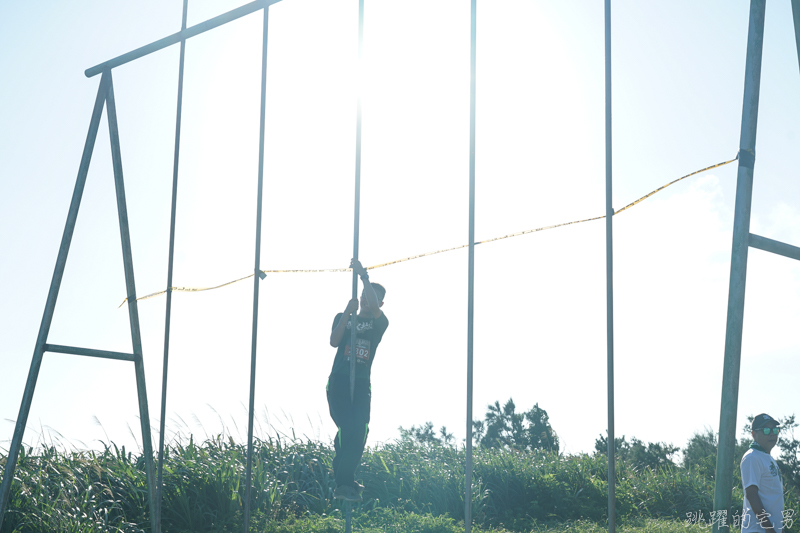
{"type": "Point", "coordinates": [357, 203]}
{"type": "Point", "coordinates": [52, 297]}
{"type": "Point", "coordinates": [612, 514]}
{"type": "Point", "coordinates": [796, 17]}
{"type": "Point", "coordinates": [739, 249]}
{"type": "Point", "coordinates": [471, 267]}
{"type": "Point", "coordinates": [133, 308]}
{"type": "Point", "coordinates": [348, 517]}
{"type": "Point", "coordinates": [257, 278]}
{"type": "Point", "coordinates": [162, 424]}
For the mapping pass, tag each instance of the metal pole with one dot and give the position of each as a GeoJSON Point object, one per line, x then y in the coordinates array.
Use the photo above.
{"type": "Point", "coordinates": [162, 424]}
{"type": "Point", "coordinates": [739, 249]}
{"type": "Point", "coordinates": [259, 275]}
{"type": "Point", "coordinates": [470, 267]}
{"type": "Point", "coordinates": [348, 517]}
{"type": "Point", "coordinates": [796, 17]}
{"type": "Point", "coordinates": [612, 513]}
{"type": "Point", "coordinates": [133, 308]}
{"type": "Point", "coordinates": [52, 297]}
{"type": "Point", "coordinates": [357, 203]}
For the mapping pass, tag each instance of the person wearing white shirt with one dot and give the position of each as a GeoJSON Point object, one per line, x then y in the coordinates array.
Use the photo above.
{"type": "Point", "coordinates": [761, 480]}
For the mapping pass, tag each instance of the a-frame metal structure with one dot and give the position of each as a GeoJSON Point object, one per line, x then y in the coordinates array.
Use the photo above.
{"type": "Point", "coordinates": [105, 98]}
{"type": "Point", "coordinates": [742, 241]}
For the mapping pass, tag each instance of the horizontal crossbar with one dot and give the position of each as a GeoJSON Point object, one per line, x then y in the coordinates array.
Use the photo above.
{"type": "Point", "coordinates": [197, 29]}
{"type": "Point", "coordinates": [89, 352]}
{"type": "Point", "coordinates": [776, 247]}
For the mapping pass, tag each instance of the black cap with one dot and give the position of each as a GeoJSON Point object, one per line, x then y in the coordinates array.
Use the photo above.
{"type": "Point", "coordinates": [763, 420]}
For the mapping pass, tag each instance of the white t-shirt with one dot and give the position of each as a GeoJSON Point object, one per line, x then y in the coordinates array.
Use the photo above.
{"type": "Point", "coordinates": [759, 469]}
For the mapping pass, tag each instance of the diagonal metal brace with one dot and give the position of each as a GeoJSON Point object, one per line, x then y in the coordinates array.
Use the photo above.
{"type": "Point", "coordinates": [775, 247]}
{"type": "Point", "coordinates": [182, 35]}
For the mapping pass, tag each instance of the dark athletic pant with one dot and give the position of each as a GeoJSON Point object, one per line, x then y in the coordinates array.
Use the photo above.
{"type": "Point", "coordinates": [352, 419]}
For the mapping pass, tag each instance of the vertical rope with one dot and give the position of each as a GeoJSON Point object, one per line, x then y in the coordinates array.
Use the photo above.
{"type": "Point", "coordinates": [471, 271]}
{"type": "Point", "coordinates": [159, 484]}
{"type": "Point", "coordinates": [357, 202]}
{"type": "Point", "coordinates": [257, 278]}
{"type": "Point", "coordinates": [609, 284]}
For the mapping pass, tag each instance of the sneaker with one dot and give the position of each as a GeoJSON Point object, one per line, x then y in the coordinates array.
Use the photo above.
{"type": "Point", "coordinates": [348, 493]}
{"type": "Point", "coordinates": [358, 486]}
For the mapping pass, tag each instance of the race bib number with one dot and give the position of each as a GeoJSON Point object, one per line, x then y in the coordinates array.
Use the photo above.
{"type": "Point", "coordinates": [362, 350]}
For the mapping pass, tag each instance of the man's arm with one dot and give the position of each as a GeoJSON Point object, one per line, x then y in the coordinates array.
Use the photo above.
{"type": "Point", "coordinates": [758, 507]}
{"type": "Point", "coordinates": [372, 298]}
{"type": "Point", "coordinates": [338, 331]}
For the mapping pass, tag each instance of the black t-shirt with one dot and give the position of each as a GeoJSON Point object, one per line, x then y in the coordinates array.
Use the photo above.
{"type": "Point", "coordinates": [369, 333]}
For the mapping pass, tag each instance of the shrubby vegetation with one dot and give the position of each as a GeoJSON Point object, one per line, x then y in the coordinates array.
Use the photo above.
{"type": "Point", "coordinates": [521, 483]}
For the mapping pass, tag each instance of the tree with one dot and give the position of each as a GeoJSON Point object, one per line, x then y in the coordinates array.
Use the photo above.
{"type": "Point", "coordinates": [425, 434]}
{"type": "Point", "coordinates": [621, 446]}
{"type": "Point", "coordinates": [503, 427]}
{"type": "Point", "coordinates": [700, 453]}
{"type": "Point", "coordinates": [789, 460]}
{"type": "Point", "coordinates": [652, 455]}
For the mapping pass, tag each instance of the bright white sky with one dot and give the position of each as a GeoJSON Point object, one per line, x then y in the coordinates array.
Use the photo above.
{"type": "Point", "coordinates": [540, 324]}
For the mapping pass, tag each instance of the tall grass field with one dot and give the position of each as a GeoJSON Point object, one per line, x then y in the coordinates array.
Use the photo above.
{"type": "Point", "coordinates": [411, 486]}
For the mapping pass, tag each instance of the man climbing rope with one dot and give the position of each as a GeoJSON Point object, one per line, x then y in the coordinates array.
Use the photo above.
{"type": "Point", "coordinates": [352, 417]}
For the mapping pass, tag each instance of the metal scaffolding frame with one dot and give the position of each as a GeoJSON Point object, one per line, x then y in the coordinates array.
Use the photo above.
{"type": "Point", "coordinates": [743, 240]}
{"type": "Point", "coordinates": [105, 97]}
